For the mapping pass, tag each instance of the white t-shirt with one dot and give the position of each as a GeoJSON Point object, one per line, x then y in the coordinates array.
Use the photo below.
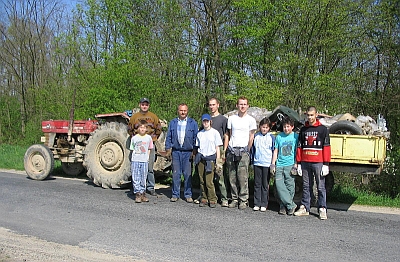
{"type": "Point", "coordinates": [140, 146]}
{"type": "Point", "coordinates": [240, 130]}
{"type": "Point", "coordinates": [207, 141]}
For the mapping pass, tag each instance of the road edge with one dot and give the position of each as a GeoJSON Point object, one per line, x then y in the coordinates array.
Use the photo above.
{"type": "Point", "coordinates": [336, 206]}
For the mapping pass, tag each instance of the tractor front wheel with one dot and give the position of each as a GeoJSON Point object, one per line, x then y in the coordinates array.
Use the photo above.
{"type": "Point", "coordinates": [38, 162]}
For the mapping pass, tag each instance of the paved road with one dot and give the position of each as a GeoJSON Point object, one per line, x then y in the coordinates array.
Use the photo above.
{"type": "Point", "coordinates": [76, 212]}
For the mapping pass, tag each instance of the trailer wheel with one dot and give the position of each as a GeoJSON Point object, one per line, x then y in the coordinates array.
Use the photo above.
{"type": "Point", "coordinates": [72, 169]}
{"type": "Point", "coordinates": [107, 155]}
{"type": "Point", "coordinates": [345, 127]}
{"type": "Point", "coordinates": [38, 162]}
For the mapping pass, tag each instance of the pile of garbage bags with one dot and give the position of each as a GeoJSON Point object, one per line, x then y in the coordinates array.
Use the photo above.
{"type": "Point", "coordinates": [339, 124]}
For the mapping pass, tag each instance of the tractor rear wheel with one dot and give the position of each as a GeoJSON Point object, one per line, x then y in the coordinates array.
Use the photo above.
{"type": "Point", "coordinates": [107, 155]}
{"type": "Point", "coordinates": [38, 162]}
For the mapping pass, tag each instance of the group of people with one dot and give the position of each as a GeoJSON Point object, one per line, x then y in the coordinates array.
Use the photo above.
{"type": "Point", "coordinates": [222, 150]}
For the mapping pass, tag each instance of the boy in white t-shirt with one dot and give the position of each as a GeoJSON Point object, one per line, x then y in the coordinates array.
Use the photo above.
{"type": "Point", "coordinates": [141, 144]}
{"type": "Point", "coordinates": [208, 142]}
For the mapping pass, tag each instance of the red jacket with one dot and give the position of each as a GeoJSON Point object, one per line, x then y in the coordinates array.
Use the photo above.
{"type": "Point", "coordinates": [314, 144]}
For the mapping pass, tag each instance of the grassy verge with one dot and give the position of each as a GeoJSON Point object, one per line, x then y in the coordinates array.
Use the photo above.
{"type": "Point", "coordinates": [12, 157]}
{"type": "Point", "coordinates": [349, 195]}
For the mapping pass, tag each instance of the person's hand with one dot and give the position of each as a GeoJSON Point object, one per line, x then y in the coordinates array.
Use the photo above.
{"type": "Point", "coordinates": [325, 170]}
{"type": "Point", "coordinates": [168, 154]}
{"type": "Point", "coordinates": [223, 156]}
{"type": "Point", "coordinates": [299, 171]}
{"type": "Point", "coordinates": [272, 169]}
{"type": "Point", "coordinates": [293, 171]}
{"type": "Point", "coordinates": [128, 112]}
{"type": "Point", "coordinates": [219, 167]}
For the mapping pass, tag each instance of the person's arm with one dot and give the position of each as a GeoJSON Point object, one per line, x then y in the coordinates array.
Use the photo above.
{"type": "Point", "coordinates": [272, 167]}
{"type": "Point", "coordinates": [131, 126]}
{"type": "Point", "coordinates": [196, 131]}
{"type": "Point", "coordinates": [274, 156]}
{"type": "Point", "coordinates": [168, 139]}
{"type": "Point", "coordinates": [326, 151]}
{"type": "Point", "coordinates": [295, 151]}
{"type": "Point", "coordinates": [251, 139]}
{"type": "Point", "coordinates": [157, 127]}
{"type": "Point", "coordinates": [299, 149]}
{"type": "Point", "coordinates": [226, 139]}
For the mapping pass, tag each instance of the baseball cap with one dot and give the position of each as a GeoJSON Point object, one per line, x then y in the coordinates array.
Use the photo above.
{"type": "Point", "coordinates": [144, 99]}
{"type": "Point", "coordinates": [205, 117]}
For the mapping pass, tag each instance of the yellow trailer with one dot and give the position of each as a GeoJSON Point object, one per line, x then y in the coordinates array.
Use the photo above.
{"type": "Point", "coordinates": [364, 154]}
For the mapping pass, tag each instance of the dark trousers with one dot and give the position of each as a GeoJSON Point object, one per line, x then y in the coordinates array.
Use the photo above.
{"type": "Point", "coordinates": [261, 186]}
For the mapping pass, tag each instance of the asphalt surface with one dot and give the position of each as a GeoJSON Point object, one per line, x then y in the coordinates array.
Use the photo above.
{"type": "Point", "coordinates": [75, 212]}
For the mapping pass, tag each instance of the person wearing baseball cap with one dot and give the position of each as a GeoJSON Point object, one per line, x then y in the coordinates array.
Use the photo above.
{"type": "Point", "coordinates": [144, 99]}
{"type": "Point", "coordinates": [208, 141]}
{"type": "Point", "coordinates": [154, 129]}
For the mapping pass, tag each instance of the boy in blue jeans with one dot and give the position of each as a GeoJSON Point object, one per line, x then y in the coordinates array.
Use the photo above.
{"type": "Point", "coordinates": [285, 166]}
{"type": "Point", "coordinates": [141, 144]}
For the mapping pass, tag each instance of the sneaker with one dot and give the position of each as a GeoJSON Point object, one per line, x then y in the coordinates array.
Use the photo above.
{"type": "Point", "coordinates": [234, 203]}
{"type": "Point", "coordinates": [203, 203]}
{"type": "Point", "coordinates": [322, 213]}
{"type": "Point", "coordinates": [301, 212]}
{"type": "Point", "coordinates": [291, 211]}
{"type": "Point", "coordinates": [144, 198]}
{"type": "Point", "coordinates": [256, 208]}
{"type": "Point", "coordinates": [213, 204]}
{"type": "Point", "coordinates": [153, 193]}
{"type": "Point", "coordinates": [197, 200]}
{"type": "Point", "coordinates": [282, 211]}
{"type": "Point", "coordinates": [189, 200]}
{"type": "Point", "coordinates": [242, 205]}
{"type": "Point", "coordinates": [138, 198]}
{"type": "Point", "coordinates": [263, 209]}
{"type": "Point", "coordinates": [224, 203]}
{"type": "Point", "coordinates": [173, 199]}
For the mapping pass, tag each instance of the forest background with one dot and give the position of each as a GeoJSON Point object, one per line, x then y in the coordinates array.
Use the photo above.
{"type": "Point", "coordinates": [339, 55]}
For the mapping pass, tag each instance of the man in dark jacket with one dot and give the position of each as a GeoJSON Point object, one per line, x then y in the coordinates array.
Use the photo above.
{"type": "Point", "coordinates": [179, 144]}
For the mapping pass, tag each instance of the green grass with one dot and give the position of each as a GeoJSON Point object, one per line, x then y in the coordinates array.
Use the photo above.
{"type": "Point", "coordinates": [350, 195]}
{"type": "Point", "coordinates": [12, 157]}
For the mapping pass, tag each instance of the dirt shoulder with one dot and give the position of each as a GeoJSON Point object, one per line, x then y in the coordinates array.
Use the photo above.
{"type": "Point", "coordinates": [15, 247]}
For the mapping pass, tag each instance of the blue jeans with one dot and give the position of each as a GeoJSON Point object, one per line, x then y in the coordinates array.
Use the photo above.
{"type": "Point", "coordinates": [261, 186]}
{"type": "Point", "coordinates": [181, 164]}
{"type": "Point", "coordinates": [139, 174]}
{"type": "Point", "coordinates": [312, 171]}
{"type": "Point", "coordinates": [285, 186]}
{"type": "Point", "coordinates": [151, 181]}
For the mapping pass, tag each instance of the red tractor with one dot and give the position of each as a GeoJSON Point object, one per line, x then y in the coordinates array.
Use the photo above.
{"type": "Point", "coordinates": [100, 146]}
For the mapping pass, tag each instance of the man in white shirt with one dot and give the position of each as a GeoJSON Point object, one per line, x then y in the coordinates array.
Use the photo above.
{"type": "Point", "coordinates": [241, 129]}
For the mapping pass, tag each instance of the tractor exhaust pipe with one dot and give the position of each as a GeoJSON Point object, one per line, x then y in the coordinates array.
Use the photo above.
{"type": "Point", "coordinates": [71, 119]}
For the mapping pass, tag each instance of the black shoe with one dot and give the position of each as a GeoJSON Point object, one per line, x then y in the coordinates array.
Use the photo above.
{"type": "Point", "coordinates": [282, 211]}
{"type": "Point", "coordinates": [153, 193]}
{"type": "Point", "coordinates": [291, 211]}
